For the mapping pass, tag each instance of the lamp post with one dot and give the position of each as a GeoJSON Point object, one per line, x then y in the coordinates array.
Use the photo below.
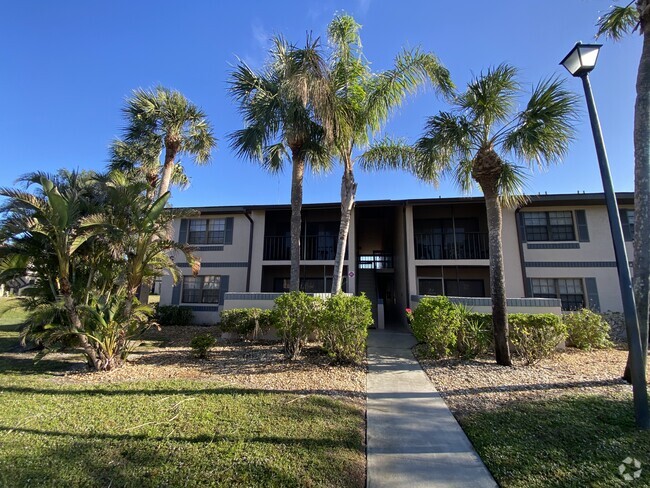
{"type": "Point", "coordinates": [579, 62]}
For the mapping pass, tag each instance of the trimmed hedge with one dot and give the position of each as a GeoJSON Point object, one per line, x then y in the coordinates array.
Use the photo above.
{"type": "Point", "coordinates": [295, 316]}
{"type": "Point", "coordinates": [174, 315]}
{"type": "Point", "coordinates": [343, 324]}
{"type": "Point", "coordinates": [535, 336]}
{"type": "Point", "coordinates": [436, 322]}
{"type": "Point", "coordinates": [246, 321]}
{"type": "Point", "coordinates": [587, 330]}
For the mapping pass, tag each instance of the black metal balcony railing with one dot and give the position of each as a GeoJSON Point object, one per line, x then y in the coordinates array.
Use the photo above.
{"type": "Point", "coordinates": [375, 261]}
{"type": "Point", "coordinates": [467, 245]}
{"type": "Point", "coordinates": [278, 248]}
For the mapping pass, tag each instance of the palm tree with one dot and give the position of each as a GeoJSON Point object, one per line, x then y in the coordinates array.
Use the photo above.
{"type": "Point", "coordinates": [51, 219]}
{"type": "Point", "coordinates": [164, 119]}
{"type": "Point", "coordinates": [364, 101]}
{"type": "Point", "coordinates": [614, 25]}
{"type": "Point", "coordinates": [475, 143]}
{"type": "Point", "coordinates": [279, 105]}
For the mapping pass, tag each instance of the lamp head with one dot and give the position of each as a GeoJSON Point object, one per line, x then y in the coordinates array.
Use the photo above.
{"type": "Point", "coordinates": [581, 59]}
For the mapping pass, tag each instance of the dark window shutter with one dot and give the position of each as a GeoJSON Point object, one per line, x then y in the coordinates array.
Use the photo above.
{"type": "Point", "coordinates": [176, 293]}
{"type": "Point", "coordinates": [625, 223]}
{"type": "Point", "coordinates": [583, 231]}
{"type": "Point", "coordinates": [229, 226]}
{"type": "Point", "coordinates": [223, 288]}
{"type": "Point", "coordinates": [528, 288]}
{"type": "Point", "coordinates": [522, 227]}
{"type": "Point", "coordinates": [182, 235]}
{"type": "Point", "coordinates": [592, 294]}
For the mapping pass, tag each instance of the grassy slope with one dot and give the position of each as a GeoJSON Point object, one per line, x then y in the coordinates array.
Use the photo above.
{"type": "Point", "coordinates": [168, 433]}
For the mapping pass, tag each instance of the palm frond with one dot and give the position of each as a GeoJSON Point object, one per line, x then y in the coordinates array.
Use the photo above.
{"type": "Point", "coordinates": [512, 181]}
{"type": "Point", "coordinates": [618, 21]}
{"type": "Point", "coordinates": [545, 128]}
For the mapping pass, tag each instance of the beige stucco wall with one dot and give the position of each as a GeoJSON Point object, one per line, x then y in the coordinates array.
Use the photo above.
{"type": "Point", "coordinates": [599, 249]}
{"type": "Point", "coordinates": [511, 255]}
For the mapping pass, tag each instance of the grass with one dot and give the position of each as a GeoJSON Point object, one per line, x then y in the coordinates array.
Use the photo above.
{"type": "Point", "coordinates": [167, 433]}
{"type": "Point", "coordinates": [573, 441]}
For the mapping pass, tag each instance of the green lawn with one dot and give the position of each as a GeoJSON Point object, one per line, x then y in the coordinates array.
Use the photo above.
{"type": "Point", "coordinates": [574, 441]}
{"type": "Point", "coordinates": [167, 433]}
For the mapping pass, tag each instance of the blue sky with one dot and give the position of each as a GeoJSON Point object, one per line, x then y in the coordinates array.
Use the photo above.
{"type": "Point", "coordinates": [66, 68]}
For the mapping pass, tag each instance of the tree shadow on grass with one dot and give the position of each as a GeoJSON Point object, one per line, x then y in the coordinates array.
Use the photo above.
{"type": "Point", "coordinates": [571, 441]}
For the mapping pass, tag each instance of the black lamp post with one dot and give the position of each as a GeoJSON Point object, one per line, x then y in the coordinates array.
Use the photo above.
{"type": "Point", "coordinates": [579, 62]}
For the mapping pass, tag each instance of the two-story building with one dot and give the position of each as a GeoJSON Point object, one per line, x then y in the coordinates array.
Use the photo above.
{"type": "Point", "coordinates": [555, 246]}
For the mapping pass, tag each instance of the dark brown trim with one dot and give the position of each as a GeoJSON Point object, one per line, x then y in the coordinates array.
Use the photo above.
{"type": "Point", "coordinates": [250, 251]}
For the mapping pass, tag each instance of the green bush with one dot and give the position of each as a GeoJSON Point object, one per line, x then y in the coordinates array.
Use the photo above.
{"type": "Point", "coordinates": [246, 321]}
{"type": "Point", "coordinates": [343, 324]}
{"type": "Point", "coordinates": [587, 330]}
{"type": "Point", "coordinates": [201, 345]}
{"type": "Point", "coordinates": [174, 315]}
{"type": "Point", "coordinates": [535, 336]}
{"type": "Point", "coordinates": [295, 317]}
{"type": "Point", "coordinates": [475, 335]}
{"type": "Point", "coordinates": [436, 322]}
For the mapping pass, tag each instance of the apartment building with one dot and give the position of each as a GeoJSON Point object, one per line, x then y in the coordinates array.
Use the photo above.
{"type": "Point", "coordinates": [555, 246]}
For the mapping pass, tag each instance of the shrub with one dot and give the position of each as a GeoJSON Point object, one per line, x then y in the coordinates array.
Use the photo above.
{"type": "Point", "coordinates": [295, 317]}
{"type": "Point", "coordinates": [201, 345]}
{"type": "Point", "coordinates": [174, 315]}
{"type": "Point", "coordinates": [474, 335]}
{"type": "Point", "coordinates": [344, 322]}
{"type": "Point", "coordinates": [587, 330]}
{"type": "Point", "coordinates": [535, 336]}
{"type": "Point", "coordinates": [436, 322]}
{"type": "Point", "coordinates": [246, 321]}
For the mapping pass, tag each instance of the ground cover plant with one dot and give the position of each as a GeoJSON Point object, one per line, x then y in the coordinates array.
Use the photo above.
{"type": "Point", "coordinates": [117, 430]}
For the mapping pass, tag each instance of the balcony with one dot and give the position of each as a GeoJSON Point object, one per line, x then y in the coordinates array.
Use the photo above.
{"type": "Point", "coordinates": [312, 248]}
{"type": "Point", "coordinates": [466, 245]}
{"type": "Point", "coordinates": [376, 261]}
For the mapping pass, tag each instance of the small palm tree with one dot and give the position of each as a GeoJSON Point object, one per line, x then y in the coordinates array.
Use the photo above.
{"type": "Point", "coordinates": [279, 105]}
{"type": "Point", "coordinates": [364, 101]}
{"type": "Point", "coordinates": [164, 119]}
{"type": "Point", "coordinates": [476, 142]}
{"type": "Point", "coordinates": [615, 24]}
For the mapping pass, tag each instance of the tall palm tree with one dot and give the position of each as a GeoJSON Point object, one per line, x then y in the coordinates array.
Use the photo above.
{"type": "Point", "coordinates": [164, 119]}
{"type": "Point", "coordinates": [364, 101]}
{"type": "Point", "coordinates": [617, 22]}
{"type": "Point", "coordinates": [280, 105]}
{"type": "Point", "coordinates": [476, 142]}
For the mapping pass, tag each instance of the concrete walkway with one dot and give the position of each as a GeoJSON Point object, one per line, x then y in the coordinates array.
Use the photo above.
{"type": "Point", "coordinates": [413, 439]}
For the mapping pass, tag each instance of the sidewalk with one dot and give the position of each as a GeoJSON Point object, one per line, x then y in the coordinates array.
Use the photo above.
{"type": "Point", "coordinates": [413, 439]}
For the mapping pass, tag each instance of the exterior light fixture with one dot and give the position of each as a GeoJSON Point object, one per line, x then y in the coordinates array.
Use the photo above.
{"type": "Point", "coordinates": [579, 62]}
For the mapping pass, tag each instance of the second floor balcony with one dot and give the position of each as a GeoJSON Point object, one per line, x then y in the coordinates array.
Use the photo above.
{"type": "Point", "coordinates": [462, 245]}
{"type": "Point", "coordinates": [312, 248]}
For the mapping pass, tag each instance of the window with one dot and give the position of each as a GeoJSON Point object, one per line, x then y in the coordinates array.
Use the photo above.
{"type": "Point", "coordinates": [549, 226]}
{"type": "Point", "coordinates": [207, 231]}
{"type": "Point", "coordinates": [627, 221]}
{"type": "Point", "coordinates": [431, 286]}
{"type": "Point", "coordinates": [464, 288]}
{"type": "Point", "coordinates": [569, 290]}
{"type": "Point", "coordinates": [201, 289]}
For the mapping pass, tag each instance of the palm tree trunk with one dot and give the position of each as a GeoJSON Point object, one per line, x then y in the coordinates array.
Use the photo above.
{"type": "Point", "coordinates": [296, 219]}
{"type": "Point", "coordinates": [641, 281]}
{"type": "Point", "coordinates": [348, 192]}
{"type": "Point", "coordinates": [497, 278]}
{"type": "Point", "coordinates": [75, 321]}
{"type": "Point", "coordinates": [168, 168]}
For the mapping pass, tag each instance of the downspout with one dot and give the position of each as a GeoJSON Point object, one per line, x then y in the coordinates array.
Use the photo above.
{"type": "Point", "coordinates": [527, 292]}
{"type": "Point", "coordinates": [250, 251]}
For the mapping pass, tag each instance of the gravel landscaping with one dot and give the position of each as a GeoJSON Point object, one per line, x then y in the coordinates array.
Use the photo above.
{"type": "Point", "coordinates": [480, 384]}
